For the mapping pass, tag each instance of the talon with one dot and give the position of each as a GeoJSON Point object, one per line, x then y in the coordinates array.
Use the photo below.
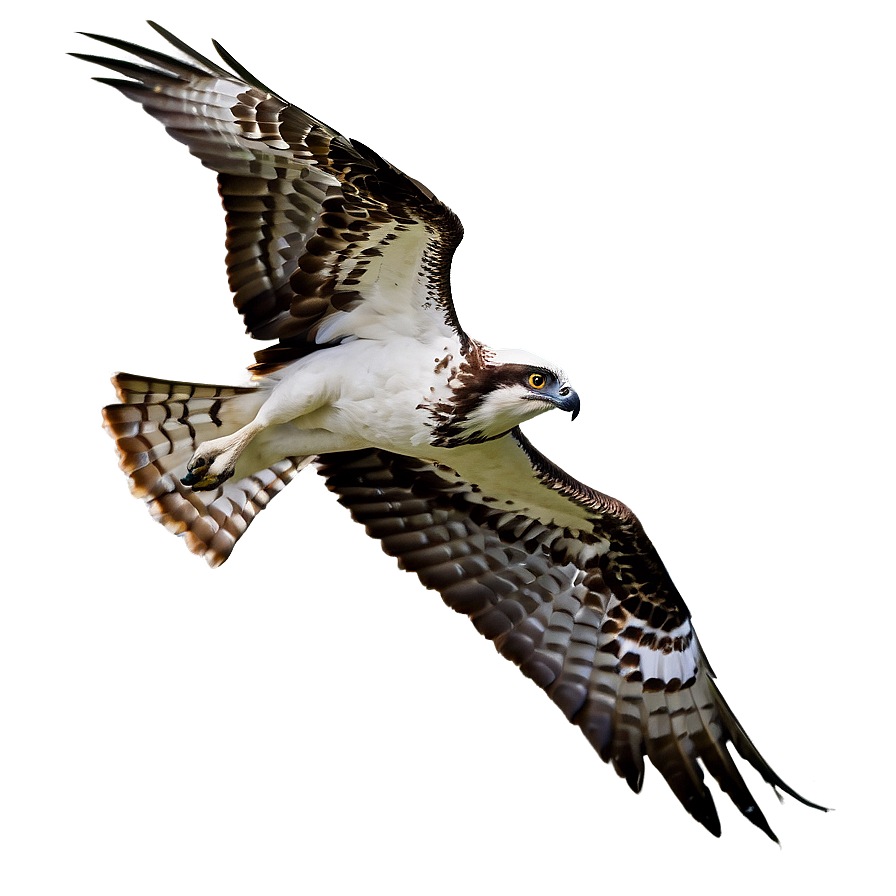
{"type": "Point", "coordinates": [200, 483]}
{"type": "Point", "coordinates": [214, 462]}
{"type": "Point", "coordinates": [198, 462]}
{"type": "Point", "coordinates": [204, 483]}
{"type": "Point", "coordinates": [198, 477]}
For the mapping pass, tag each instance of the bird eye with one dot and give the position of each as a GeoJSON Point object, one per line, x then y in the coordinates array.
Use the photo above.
{"type": "Point", "coordinates": [537, 380]}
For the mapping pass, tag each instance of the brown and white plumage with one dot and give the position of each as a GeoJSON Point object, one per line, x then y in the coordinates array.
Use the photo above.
{"type": "Point", "coordinates": [344, 261]}
{"type": "Point", "coordinates": [593, 617]}
{"type": "Point", "coordinates": [313, 219]}
{"type": "Point", "coordinates": [156, 428]}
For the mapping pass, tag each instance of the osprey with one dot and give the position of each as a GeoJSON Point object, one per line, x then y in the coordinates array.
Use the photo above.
{"type": "Point", "coordinates": [343, 261]}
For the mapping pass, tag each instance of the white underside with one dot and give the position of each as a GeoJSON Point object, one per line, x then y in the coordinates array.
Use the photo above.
{"type": "Point", "coordinates": [372, 393]}
{"type": "Point", "coordinates": [362, 393]}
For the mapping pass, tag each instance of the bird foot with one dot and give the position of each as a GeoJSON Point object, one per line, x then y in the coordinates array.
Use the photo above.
{"type": "Point", "coordinates": [207, 469]}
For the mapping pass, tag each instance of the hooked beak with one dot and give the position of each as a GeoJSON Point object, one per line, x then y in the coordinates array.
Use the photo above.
{"type": "Point", "coordinates": [569, 402]}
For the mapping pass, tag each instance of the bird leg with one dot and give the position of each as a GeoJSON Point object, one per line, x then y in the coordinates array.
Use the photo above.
{"type": "Point", "coordinates": [214, 461]}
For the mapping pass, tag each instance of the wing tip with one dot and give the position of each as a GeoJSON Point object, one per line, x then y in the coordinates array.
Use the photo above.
{"type": "Point", "coordinates": [167, 65]}
{"type": "Point", "coordinates": [242, 71]}
{"type": "Point", "coordinates": [747, 750]}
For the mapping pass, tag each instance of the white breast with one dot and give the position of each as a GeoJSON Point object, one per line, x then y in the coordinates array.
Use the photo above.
{"type": "Point", "coordinates": [365, 391]}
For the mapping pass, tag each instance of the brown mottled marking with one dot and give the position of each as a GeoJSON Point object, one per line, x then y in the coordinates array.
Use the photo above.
{"type": "Point", "coordinates": [154, 446]}
{"type": "Point", "coordinates": [563, 620]}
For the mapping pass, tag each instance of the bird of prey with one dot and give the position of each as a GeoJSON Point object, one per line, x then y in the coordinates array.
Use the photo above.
{"type": "Point", "coordinates": [342, 262]}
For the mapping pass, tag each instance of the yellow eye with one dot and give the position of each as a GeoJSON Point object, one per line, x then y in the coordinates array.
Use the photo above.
{"type": "Point", "coordinates": [537, 380]}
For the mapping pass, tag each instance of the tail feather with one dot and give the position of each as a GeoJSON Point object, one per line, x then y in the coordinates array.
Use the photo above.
{"type": "Point", "coordinates": [156, 429]}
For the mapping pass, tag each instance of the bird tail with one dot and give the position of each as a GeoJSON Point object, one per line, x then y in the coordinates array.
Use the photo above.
{"type": "Point", "coordinates": [157, 427]}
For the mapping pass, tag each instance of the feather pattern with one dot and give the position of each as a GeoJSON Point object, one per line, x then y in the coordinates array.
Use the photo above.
{"type": "Point", "coordinates": [156, 427]}
{"type": "Point", "coordinates": [603, 632]}
{"type": "Point", "coordinates": [314, 220]}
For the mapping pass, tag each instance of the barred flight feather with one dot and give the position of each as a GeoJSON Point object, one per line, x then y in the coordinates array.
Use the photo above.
{"type": "Point", "coordinates": [570, 628]}
{"type": "Point", "coordinates": [311, 216]}
{"type": "Point", "coordinates": [156, 429]}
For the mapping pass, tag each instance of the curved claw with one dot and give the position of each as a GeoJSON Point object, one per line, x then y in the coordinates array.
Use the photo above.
{"type": "Point", "coordinates": [201, 483]}
{"type": "Point", "coordinates": [199, 478]}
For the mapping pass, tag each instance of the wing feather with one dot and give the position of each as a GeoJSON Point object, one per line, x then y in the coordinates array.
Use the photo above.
{"type": "Point", "coordinates": [315, 221]}
{"type": "Point", "coordinates": [603, 632]}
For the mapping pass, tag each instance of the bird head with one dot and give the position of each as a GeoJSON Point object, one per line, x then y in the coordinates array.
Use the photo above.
{"type": "Point", "coordinates": [509, 388]}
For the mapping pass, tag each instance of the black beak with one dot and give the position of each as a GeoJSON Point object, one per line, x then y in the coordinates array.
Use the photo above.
{"type": "Point", "coordinates": [570, 402]}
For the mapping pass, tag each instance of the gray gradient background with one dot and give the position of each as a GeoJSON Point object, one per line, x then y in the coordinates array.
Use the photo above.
{"type": "Point", "coordinates": [691, 209]}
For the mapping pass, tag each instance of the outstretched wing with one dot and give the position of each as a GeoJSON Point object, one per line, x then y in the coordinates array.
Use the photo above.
{"type": "Point", "coordinates": [325, 239]}
{"type": "Point", "coordinates": [565, 583]}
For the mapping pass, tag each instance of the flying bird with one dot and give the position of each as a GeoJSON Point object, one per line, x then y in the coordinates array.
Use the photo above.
{"type": "Point", "coordinates": [341, 262]}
